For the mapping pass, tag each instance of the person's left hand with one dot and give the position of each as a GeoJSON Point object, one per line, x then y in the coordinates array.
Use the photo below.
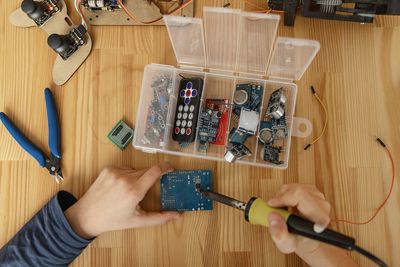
{"type": "Point", "coordinates": [112, 202]}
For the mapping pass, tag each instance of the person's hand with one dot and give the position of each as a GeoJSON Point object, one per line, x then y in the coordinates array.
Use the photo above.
{"type": "Point", "coordinates": [306, 201]}
{"type": "Point", "coordinates": [112, 202]}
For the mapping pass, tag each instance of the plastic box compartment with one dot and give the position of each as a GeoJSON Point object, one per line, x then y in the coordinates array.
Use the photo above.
{"type": "Point", "coordinates": [226, 48]}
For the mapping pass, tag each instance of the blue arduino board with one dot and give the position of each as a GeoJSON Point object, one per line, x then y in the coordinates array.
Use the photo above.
{"type": "Point", "coordinates": [179, 193]}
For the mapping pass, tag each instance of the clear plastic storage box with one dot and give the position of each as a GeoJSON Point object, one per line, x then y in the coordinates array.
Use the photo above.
{"type": "Point", "coordinates": [227, 49]}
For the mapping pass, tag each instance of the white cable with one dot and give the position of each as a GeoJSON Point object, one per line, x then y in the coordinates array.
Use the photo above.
{"type": "Point", "coordinates": [80, 14]}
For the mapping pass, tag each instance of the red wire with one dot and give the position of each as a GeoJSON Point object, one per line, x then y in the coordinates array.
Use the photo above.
{"type": "Point", "coordinates": [384, 201]}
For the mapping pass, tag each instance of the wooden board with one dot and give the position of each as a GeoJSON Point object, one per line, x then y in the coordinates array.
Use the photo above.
{"type": "Point", "coordinates": [356, 74]}
{"type": "Point", "coordinates": [141, 9]}
{"type": "Point", "coordinates": [59, 23]}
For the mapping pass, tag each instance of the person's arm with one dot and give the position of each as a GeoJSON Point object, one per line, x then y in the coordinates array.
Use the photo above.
{"type": "Point", "coordinates": [47, 239]}
{"type": "Point", "coordinates": [62, 229]}
{"type": "Point", "coordinates": [310, 203]}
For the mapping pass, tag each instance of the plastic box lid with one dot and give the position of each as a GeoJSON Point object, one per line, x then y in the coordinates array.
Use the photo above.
{"type": "Point", "coordinates": [233, 41]}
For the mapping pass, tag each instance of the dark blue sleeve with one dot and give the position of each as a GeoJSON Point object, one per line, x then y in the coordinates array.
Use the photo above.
{"type": "Point", "coordinates": [47, 239]}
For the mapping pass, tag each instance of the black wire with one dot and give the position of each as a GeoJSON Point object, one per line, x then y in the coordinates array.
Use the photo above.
{"type": "Point", "coordinates": [370, 256]}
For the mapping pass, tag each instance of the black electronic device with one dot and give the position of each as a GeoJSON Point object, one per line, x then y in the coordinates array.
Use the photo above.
{"type": "Point", "coordinates": [41, 11]}
{"type": "Point", "coordinates": [66, 45]}
{"type": "Point", "coordinates": [362, 11]}
{"type": "Point", "coordinates": [96, 5]}
{"type": "Point", "coordinates": [187, 110]}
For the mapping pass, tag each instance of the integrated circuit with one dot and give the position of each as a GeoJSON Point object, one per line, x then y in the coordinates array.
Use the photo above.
{"type": "Point", "coordinates": [121, 135]}
{"type": "Point", "coordinates": [179, 193]}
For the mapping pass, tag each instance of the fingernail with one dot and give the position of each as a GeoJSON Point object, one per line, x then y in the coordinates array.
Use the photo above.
{"type": "Point", "coordinates": [274, 220]}
{"type": "Point", "coordinates": [318, 228]}
{"type": "Point", "coordinates": [271, 201]}
{"type": "Point", "coordinates": [166, 167]}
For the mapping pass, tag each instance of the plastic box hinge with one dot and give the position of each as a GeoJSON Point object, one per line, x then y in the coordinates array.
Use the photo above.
{"type": "Point", "coordinates": [280, 79]}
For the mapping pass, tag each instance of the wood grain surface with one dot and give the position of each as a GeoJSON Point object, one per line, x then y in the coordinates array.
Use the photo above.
{"type": "Point", "coordinates": [356, 73]}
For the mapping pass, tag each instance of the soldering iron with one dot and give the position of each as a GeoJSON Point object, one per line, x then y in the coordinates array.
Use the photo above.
{"type": "Point", "coordinates": [256, 212]}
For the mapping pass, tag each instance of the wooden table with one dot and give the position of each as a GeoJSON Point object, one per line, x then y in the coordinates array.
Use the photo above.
{"type": "Point", "coordinates": [356, 73]}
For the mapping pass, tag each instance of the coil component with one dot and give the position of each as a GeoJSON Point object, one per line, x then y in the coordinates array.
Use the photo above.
{"type": "Point", "coordinates": [66, 45]}
{"type": "Point", "coordinates": [328, 6]}
{"type": "Point", "coordinates": [40, 12]}
{"type": "Point", "coordinates": [96, 5]}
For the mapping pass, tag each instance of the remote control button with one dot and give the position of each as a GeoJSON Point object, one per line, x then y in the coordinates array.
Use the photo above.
{"type": "Point", "coordinates": [194, 93]}
{"type": "Point", "coordinates": [190, 116]}
{"type": "Point", "coordinates": [178, 123]}
{"type": "Point", "coordinates": [186, 108]}
{"type": "Point", "coordinates": [179, 116]}
{"type": "Point", "coordinates": [183, 131]}
{"type": "Point", "coordinates": [189, 124]}
{"type": "Point", "coordinates": [191, 108]}
{"type": "Point", "coordinates": [183, 123]}
{"type": "Point", "coordinates": [188, 131]}
{"type": "Point", "coordinates": [176, 130]}
{"type": "Point", "coordinates": [180, 108]}
{"type": "Point", "coordinates": [188, 94]}
{"type": "Point", "coordinates": [189, 85]}
{"type": "Point", "coordinates": [182, 93]}
{"type": "Point", "coordinates": [187, 101]}
{"type": "Point", "coordinates": [185, 115]}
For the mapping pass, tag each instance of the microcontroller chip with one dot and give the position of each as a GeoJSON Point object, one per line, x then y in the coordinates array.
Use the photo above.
{"type": "Point", "coordinates": [179, 193]}
{"type": "Point", "coordinates": [121, 135]}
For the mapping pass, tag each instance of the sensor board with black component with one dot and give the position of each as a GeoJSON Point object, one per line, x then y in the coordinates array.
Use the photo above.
{"type": "Point", "coordinates": [121, 135]}
{"type": "Point", "coordinates": [179, 192]}
{"type": "Point", "coordinates": [96, 5]}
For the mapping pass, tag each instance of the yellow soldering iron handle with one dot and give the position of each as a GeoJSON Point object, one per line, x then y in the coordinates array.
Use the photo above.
{"type": "Point", "coordinates": [257, 211]}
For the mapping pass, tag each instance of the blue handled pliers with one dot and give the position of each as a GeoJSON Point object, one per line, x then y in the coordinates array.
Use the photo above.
{"type": "Point", "coordinates": [52, 163]}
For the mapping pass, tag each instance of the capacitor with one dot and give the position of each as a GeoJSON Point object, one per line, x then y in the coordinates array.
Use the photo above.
{"type": "Point", "coordinates": [276, 111]}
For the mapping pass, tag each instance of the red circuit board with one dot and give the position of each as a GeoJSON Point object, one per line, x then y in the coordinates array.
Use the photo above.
{"type": "Point", "coordinates": [224, 107]}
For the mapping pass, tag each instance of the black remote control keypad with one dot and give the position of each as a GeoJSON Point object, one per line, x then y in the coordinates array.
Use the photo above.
{"type": "Point", "coordinates": [187, 110]}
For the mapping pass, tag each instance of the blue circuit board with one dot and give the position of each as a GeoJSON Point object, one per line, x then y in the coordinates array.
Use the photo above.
{"type": "Point", "coordinates": [179, 193]}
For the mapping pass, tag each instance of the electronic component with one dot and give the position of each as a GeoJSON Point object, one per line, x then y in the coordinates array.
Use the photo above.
{"type": "Point", "coordinates": [121, 135]}
{"type": "Point", "coordinates": [247, 96]}
{"type": "Point", "coordinates": [237, 136]}
{"type": "Point", "coordinates": [95, 5]}
{"type": "Point", "coordinates": [248, 121]}
{"type": "Point", "coordinates": [213, 123]}
{"type": "Point", "coordinates": [66, 45]}
{"type": "Point", "coordinates": [158, 110]}
{"type": "Point", "coordinates": [271, 154]}
{"type": "Point", "coordinates": [179, 190]}
{"type": "Point", "coordinates": [362, 11]}
{"type": "Point", "coordinates": [235, 152]}
{"type": "Point", "coordinates": [223, 106]}
{"type": "Point", "coordinates": [40, 12]}
{"type": "Point", "coordinates": [273, 127]}
{"type": "Point", "coordinates": [187, 109]}
{"type": "Point", "coordinates": [208, 128]}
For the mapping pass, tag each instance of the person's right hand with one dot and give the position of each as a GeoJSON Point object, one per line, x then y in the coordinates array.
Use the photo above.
{"type": "Point", "coordinates": [112, 202]}
{"type": "Point", "coordinates": [306, 201]}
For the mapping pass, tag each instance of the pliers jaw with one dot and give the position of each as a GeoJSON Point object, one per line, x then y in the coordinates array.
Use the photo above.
{"type": "Point", "coordinates": [53, 165]}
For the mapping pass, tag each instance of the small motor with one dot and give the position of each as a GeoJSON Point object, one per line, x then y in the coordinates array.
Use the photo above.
{"type": "Point", "coordinates": [66, 45]}
{"type": "Point", "coordinates": [40, 12]}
